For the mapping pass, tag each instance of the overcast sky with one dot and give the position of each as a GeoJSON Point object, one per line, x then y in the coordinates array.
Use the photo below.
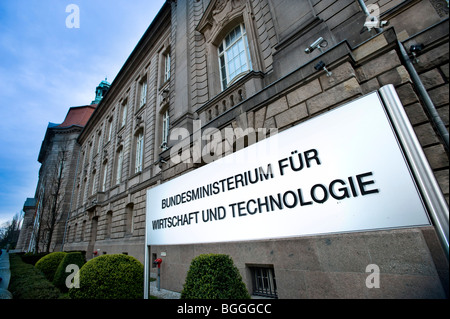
{"type": "Point", "coordinates": [46, 67]}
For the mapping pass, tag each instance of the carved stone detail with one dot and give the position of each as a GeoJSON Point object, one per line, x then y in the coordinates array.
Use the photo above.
{"type": "Point", "coordinates": [441, 7]}
{"type": "Point", "coordinates": [218, 14]}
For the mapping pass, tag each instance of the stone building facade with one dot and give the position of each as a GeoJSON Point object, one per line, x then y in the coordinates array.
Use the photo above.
{"type": "Point", "coordinates": [29, 210]}
{"type": "Point", "coordinates": [249, 64]}
{"type": "Point", "coordinates": [45, 221]}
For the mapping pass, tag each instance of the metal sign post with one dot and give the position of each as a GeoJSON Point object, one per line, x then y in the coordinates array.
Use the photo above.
{"type": "Point", "coordinates": [429, 188]}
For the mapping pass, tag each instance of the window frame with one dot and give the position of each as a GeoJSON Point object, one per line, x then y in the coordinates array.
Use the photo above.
{"type": "Point", "coordinates": [119, 165]}
{"type": "Point", "coordinates": [104, 176]}
{"type": "Point", "coordinates": [263, 281]}
{"type": "Point", "coordinates": [165, 127]}
{"type": "Point", "coordinates": [223, 56]}
{"type": "Point", "coordinates": [167, 62]}
{"type": "Point", "coordinates": [123, 114]}
{"type": "Point", "coordinates": [143, 86]}
{"type": "Point", "coordinates": [139, 152]}
{"type": "Point", "coordinates": [110, 128]}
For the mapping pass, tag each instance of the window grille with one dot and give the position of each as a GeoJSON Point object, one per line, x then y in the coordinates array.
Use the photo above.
{"type": "Point", "coordinates": [263, 282]}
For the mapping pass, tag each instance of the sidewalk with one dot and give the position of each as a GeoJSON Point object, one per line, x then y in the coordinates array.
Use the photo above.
{"type": "Point", "coordinates": [5, 274]}
{"type": "Point", "coordinates": [163, 294]}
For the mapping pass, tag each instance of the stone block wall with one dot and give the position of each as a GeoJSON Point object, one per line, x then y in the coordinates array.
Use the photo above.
{"type": "Point", "coordinates": [412, 262]}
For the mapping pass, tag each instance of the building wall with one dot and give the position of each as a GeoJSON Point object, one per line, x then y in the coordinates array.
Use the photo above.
{"type": "Point", "coordinates": [117, 212]}
{"type": "Point", "coordinates": [27, 225]}
{"type": "Point", "coordinates": [283, 89]}
{"type": "Point", "coordinates": [59, 148]}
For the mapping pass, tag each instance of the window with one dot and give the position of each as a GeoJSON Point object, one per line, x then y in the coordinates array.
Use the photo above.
{"type": "Point", "coordinates": [143, 88]}
{"type": "Point", "coordinates": [165, 130]}
{"type": "Point", "coordinates": [123, 119]}
{"type": "Point", "coordinates": [119, 161]}
{"type": "Point", "coordinates": [166, 67]}
{"type": "Point", "coordinates": [263, 281]}
{"type": "Point", "coordinates": [93, 180]}
{"type": "Point", "coordinates": [139, 152]}
{"type": "Point", "coordinates": [91, 149]}
{"type": "Point", "coordinates": [83, 189]}
{"type": "Point", "coordinates": [104, 177]}
{"type": "Point", "coordinates": [234, 56]}
{"type": "Point", "coordinates": [99, 142]}
{"type": "Point", "coordinates": [110, 127]}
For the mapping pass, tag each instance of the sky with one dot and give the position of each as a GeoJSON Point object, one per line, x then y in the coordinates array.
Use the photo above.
{"type": "Point", "coordinates": [50, 61]}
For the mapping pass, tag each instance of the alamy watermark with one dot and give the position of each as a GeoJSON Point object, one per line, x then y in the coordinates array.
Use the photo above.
{"type": "Point", "coordinates": [73, 279]}
{"type": "Point", "coordinates": [373, 280]}
{"type": "Point", "coordinates": [210, 144]}
{"type": "Point", "coordinates": [73, 19]}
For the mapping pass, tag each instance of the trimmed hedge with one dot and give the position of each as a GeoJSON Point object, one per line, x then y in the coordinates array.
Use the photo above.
{"type": "Point", "coordinates": [114, 276]}
{"type": "Point", "coordinates": [59, 280]}
{"type": "Point", "coordinates": [29, 283]}
{"type": "Point", "coordinates": [49, 263]}
{"type": "Point", "coordinates": [32, 258]}
{"type": "Point", "coordinates": [214, 276]}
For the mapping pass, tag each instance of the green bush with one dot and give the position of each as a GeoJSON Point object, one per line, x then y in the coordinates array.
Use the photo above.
{"type": "Point", "coordinates": [75, 258]}
{"type": "Point", "coordinates": [49, 263]}
{"type": "Point", "coordinates": [32, 258]}
{"type": "Point", "coordinates": [29, 283]}
{"type": "Point", "coordinates": [110, 277]}
{"type": "Point", "coordinates": [214, 276]}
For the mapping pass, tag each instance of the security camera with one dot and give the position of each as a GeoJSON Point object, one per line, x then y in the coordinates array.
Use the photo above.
{"type": "Point", "coordinates": [416, 48]}
{"type": "Point", "coordinates": [318, 44]}
{"type": "Point", "coordinates": [161, 162]}
{"type": "Point", "coordinates": [321, 66]}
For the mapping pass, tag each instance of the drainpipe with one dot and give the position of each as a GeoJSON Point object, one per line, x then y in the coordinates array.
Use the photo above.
{"type": "Point", "coordinates": [431, 109]}
{"type": "Point", "coordinates": [364, 7]}
{"type": "Point", "coordinates": [372, 21]}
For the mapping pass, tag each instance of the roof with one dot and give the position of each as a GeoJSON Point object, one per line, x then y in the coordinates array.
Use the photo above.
{"type": "Point", "coordinates": [30, 202]}
{"type": "Point", "coordinates": [50, 125]}
{"type": "Point", "coordinates": [78, 115]}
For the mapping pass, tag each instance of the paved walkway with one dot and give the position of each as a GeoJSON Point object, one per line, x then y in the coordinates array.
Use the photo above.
{"type": "Point", "coordinates": [5, 276]}
{"type": "Point", "coordinates": [163, 293]}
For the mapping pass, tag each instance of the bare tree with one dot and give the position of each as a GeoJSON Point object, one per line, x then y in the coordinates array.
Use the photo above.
{"type": "Point", "coordinates": [9, 232]}
{"type": "Point", "coordinates": [51, 198]}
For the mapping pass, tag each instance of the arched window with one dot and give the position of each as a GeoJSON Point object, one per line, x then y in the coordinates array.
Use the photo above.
{"type": "Point", "coordinates": [234, 56]}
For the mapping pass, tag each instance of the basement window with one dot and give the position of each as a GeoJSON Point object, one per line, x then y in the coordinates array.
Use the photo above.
{"type": "Point", "coordinates": [263, 281]}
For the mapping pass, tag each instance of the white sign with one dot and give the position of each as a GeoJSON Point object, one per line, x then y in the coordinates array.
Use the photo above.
{"type": "Point", "coordinates": [342, 171]}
